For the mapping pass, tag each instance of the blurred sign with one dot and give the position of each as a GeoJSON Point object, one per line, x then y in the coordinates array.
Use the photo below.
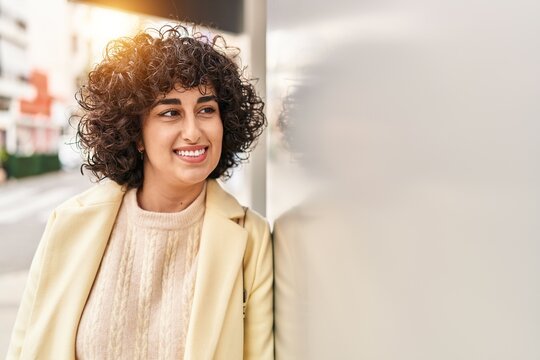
{"type": "Point", "coordinates": [41, 104]}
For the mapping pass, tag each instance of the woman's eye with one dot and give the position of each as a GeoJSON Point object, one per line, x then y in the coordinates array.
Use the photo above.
{"type": "Point", "coordinates": [207, 110]}
{"type": "Point", "coordinates": [170, 113]}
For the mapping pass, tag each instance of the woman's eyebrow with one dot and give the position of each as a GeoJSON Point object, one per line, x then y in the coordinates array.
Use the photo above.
{"type": "Point", "coordinates": [168, 101]}
{"type": "Point", "coordinates": [206, 99]}
{"type": "Point", "coordinates": [176, 101]}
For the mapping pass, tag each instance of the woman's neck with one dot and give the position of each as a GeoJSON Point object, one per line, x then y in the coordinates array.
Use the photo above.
{"type": "Point", "coordinates": [167, 199]}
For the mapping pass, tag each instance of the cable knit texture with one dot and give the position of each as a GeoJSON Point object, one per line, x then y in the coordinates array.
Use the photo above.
{"type": "Point", "coordinates": [140, 302]}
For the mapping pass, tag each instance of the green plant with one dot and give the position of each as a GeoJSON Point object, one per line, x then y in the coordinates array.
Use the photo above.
{"type": "Point", "coordinates": [3, 156]}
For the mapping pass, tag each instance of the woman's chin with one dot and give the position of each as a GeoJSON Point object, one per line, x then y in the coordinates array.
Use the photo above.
{"type": "Point", "coordinates": [191, 177]}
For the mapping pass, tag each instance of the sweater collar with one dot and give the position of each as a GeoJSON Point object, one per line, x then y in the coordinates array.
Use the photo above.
{"type": "Point", "coordinates": [163, 220]}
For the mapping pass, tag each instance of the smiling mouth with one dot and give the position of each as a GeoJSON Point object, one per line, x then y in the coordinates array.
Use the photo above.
{"type": "Point", "coordinates": [190, 153]}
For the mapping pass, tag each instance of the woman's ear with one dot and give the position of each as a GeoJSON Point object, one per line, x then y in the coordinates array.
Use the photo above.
{"type": "Point", "coordinates": [140, 145]}
{"type": "Point", "coordinates": [140, 149]}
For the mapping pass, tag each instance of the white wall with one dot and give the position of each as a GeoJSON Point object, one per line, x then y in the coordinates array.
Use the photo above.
{"type": "Point", "coordinates": [420, 121]}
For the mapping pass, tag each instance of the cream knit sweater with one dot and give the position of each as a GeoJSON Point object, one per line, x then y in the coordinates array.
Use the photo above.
{"type": "Point", "coordinates": [140, 301]}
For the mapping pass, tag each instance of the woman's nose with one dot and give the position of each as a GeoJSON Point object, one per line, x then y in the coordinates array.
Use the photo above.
{"type": "Point", "coordinates": [190, 130]}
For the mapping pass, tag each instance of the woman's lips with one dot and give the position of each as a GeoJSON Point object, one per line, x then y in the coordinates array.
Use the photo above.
{"type": "Point", "coordinates": [192, 155]}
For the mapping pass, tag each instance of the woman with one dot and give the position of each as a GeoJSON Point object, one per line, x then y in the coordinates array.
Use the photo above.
{"type": "Point", "coordinates": [157, 261]}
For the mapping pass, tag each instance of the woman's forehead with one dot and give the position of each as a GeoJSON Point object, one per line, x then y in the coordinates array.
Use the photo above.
{"type": "Point", "coordinates": [201, 89]}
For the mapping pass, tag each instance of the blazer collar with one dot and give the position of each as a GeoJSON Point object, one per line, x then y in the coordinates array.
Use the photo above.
{"type": "Point", "coordinates": [220, 201]}
{"type": "Point", "coordinates": [217, 199]}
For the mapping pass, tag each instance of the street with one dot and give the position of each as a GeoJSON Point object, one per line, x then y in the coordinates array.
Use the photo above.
{"type": "Point", "coordinates": [25, 205]}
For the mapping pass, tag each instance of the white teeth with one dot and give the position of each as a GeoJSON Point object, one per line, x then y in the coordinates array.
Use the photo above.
{"type": "Point", "coordinates": [192, 153]}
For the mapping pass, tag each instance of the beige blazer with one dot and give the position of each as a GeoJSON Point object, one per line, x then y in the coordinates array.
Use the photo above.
{"type": "Point", "coordinates": [231, 257]}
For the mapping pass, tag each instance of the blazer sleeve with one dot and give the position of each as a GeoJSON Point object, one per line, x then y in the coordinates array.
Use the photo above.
{"type": "Point", "coordinates": [259, 318]}
{"type": "Point", "coordinates": [27, 302]}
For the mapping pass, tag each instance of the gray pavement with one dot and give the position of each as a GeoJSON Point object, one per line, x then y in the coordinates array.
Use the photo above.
{"type": "Point", "coordinates": [25, 206]}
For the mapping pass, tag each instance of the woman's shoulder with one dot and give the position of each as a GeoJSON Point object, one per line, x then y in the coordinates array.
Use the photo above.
{"type": "Point", "coordinates": [259, 243]}
{"type": "Point", "coordinates": [256, 222]}
{"type": "Point", "coordinates": [228, 205]}
{"type": "Point", "coordinates": [103, 192]}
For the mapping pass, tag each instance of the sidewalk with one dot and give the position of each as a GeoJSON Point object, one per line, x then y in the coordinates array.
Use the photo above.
{"type": "Point", "coordinates": [25, 205]}
{"type": "Point", "coordinates": [11, 290]}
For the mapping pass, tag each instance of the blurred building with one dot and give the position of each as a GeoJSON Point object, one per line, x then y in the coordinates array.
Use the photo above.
{"type": "Point", "coordinates": [26, 131]}
{"type": "Point", "coordinates": [13, 70]}
{"type": "Point", "coordinates": [39, 72]}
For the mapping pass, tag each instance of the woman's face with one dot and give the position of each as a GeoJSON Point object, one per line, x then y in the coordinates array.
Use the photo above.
{"type": "Point", "coordinates": [182, 135]}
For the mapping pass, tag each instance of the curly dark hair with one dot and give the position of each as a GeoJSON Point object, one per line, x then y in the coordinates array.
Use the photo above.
{"type": "Point", "coordinates": [135, 72]}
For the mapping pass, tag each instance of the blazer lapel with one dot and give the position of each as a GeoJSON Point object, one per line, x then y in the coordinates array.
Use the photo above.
{"type": "Point", "coordinates": [221, 252]}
